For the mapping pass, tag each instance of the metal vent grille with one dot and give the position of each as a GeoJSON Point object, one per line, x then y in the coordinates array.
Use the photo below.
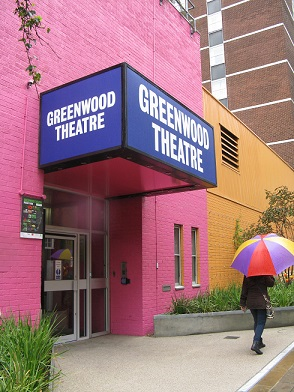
{"type": "Point", "coordinates": [229, 144]}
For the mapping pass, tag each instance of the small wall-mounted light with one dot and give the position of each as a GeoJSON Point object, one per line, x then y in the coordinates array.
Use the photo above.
{"type": "Point", "coordinates": [30, 83]}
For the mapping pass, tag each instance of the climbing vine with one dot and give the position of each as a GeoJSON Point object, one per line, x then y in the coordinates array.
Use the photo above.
{"type": "Point", "coordinates": [30, 27]}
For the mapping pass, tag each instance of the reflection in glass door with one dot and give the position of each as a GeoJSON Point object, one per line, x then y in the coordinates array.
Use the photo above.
{"type": "Point", "coordinates": [83, 284]}
{"type": "Point", "coordinates": [98, 285]}
{"type": "Point", "coordinates": [75, 284]}
{"type": "Point", "coordinates": [60, 284]}
{"type": "Point", "coordinates": [74, 287]}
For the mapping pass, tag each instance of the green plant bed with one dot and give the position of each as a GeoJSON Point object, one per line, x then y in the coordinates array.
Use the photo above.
{"type": "Point", "coordinates": [26, 354]}
{"type": "Point", "coordinates": [225, 299]}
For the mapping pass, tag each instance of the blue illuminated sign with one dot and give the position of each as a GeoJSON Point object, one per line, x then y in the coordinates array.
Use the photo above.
{"type": "Point", "coordinates": [81, 118]}
{"type": "Point", "coordinates": [161, 127]}
{"type": "Point", "coordinates": [119, 113]}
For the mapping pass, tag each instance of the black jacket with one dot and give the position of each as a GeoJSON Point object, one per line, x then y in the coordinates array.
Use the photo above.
{"type": "Point", "coordinates": [253, 289]}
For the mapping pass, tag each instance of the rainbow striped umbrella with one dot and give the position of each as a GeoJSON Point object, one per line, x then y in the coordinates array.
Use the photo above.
{"type": "Point", "coordinates": [62, 254]}
{"type": "Point", "coordinates": [267, 254]}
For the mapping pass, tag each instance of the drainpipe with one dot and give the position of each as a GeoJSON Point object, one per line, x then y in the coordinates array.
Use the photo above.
{"type": "Point", "coordinates": [154, 40]}
{"type": "Point", "coordinates": [156, 255]}
{"type": "Point", "coordinates": [25, 121]}
{"type": "Point", "coordinates": [21, 192]}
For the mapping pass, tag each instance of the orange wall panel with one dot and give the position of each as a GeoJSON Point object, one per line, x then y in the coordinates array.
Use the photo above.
{"type": "Point", "coordinates": [240, 193]}
{"type": "Point", "coordinates": [260, 168]}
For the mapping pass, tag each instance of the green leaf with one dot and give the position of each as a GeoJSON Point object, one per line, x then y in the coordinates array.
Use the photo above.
{"type": "Point", "coordinates": [30, 68]}
{"type": "Point", "coordinates": [30, 23]}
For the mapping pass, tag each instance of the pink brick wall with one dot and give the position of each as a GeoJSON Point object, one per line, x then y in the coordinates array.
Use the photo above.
{"type": "Point", "coordinates": [88, 36]}
{"type": "Point", "coordinates": [160, 214]}
{"type": "Point", "coordinates": [20, 259]}
{"type": "Point", "coordinates": [126, 246]}
{"type": "Point", "coordinates": [142, 234]}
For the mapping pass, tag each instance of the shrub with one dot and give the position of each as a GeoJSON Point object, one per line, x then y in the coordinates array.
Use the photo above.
{"type": "Point", "coordinates": [224, 299]}
{"type": "Point", "coordinates": [26, 354]}
{"type": "Point", "coordinates": [282, 295]}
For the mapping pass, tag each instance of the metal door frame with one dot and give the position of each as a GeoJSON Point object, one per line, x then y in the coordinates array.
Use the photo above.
{"type": "Point", "coordinates": [77, 284]}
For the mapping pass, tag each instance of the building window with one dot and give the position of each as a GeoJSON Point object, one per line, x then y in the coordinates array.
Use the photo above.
{"type": "Point", "coordinates": [216, 38]}
{"type": "Point", "coordinates": [178, 251]}
{"type": "Point", "coordinates": [195, 266]}
{"type": "Point", "coordinates": [216, 51]}
{"type": "Point", "coordinates": [218, 72]}
{"type": "Point", "coordinates": [213, 6]}
{"type": "Point", "coordinates": [224, 101]}
{"type": "Point", "coordinates": [229, 145]}
{"type": "Point", "coordinates": [49, 243]}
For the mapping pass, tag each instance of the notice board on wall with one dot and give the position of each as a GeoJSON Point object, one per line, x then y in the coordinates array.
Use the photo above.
{"type": "Point", "coordinates": [31, 217]}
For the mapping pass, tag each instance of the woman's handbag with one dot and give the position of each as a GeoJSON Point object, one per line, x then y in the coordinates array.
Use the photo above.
{"type": "Point", "coordinates": [270, 313]}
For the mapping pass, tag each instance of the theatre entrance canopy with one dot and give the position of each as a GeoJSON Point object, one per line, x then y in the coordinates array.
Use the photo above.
{"type": "Point", "coordinates": [124, 135]}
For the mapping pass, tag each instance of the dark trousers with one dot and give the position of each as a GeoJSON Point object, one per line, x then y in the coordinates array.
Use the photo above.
{"type": "Point", "coordinates": [259, 317]}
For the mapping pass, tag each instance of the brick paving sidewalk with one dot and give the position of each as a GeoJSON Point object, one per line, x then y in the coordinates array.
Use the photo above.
{"type": "Point", "coordinates": [280, 378]}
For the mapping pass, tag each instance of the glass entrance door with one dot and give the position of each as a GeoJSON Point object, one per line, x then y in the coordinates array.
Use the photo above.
{"type": "Point", "coordinates": [99, 285]}
{"type": "Point", "coordinates": [59, 295]}
{"type": "Point", "coordinates": [75, 285]}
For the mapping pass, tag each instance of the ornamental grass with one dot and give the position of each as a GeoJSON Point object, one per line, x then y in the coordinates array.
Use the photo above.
{"type": "Point", "coordinates": [26, 354]}
{"type": "Point", "coordinates": [225, 299]}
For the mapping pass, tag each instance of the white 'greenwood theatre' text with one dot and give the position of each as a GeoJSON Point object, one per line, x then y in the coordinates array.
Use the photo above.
{"type": "Point", "coordinates": [184, 147]}
{"type": "Point", "coordinates": [87, 116]}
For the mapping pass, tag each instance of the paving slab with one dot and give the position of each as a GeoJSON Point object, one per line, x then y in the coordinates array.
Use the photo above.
{"type": "Point", "coordinates": [220, 362]}
{"type": "Point", "coordinates": [280, 378]}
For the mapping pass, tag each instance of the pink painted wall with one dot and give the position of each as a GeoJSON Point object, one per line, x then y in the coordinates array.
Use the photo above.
{"type": "Point", "coordinates": [88, 36]}
{"type": "Point", "coordinates": [142, 234]}
{"type": "Point", "coordinates": [20, 259]}
{"type": "Point", "coordinates": [125, 238]}
{"type": "Point", "coordinates": [160, 214]}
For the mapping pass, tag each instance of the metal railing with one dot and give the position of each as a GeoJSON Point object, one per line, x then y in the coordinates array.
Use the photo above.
{"type": "Point", "coordinates": [184, 7]}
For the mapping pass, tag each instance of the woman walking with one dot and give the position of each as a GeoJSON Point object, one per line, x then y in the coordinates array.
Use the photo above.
{"type": "Point", "coordinates": [252, 297]}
